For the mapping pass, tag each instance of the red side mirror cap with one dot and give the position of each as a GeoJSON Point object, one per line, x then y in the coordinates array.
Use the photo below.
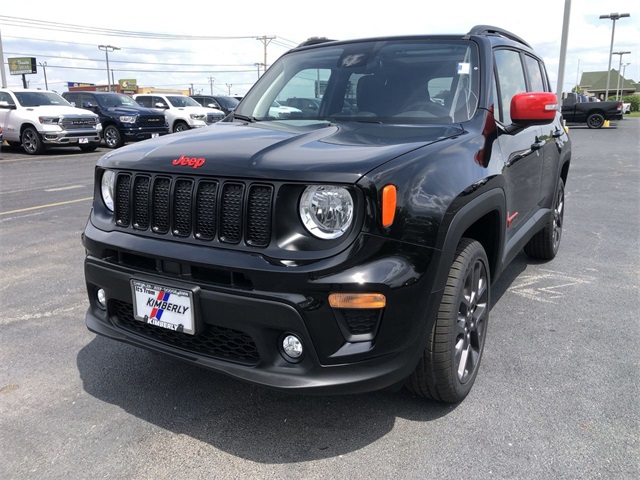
{"type": "Point", "coordinates": [534, 107]}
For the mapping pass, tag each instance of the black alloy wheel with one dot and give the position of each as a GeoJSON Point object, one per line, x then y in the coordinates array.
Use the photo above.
{"type": "Point", "coordinates": [450, 361]}
{"type": "Point", "coordinates": [595, 120]}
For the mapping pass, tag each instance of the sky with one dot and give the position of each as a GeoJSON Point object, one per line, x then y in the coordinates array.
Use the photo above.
{"type": "Point", "coordinates": [213, 47]}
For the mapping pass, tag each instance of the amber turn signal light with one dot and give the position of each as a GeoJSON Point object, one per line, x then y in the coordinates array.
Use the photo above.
{"type": "Point", "coordinates": [389, 201]}
{"type": "Point", "coordinates": [357, 300]}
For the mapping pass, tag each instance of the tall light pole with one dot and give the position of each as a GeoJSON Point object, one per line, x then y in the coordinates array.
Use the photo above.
{"type": "Point", "coordinates": [106, 49]}
{"type": "Point", "coordinates": [614, 17]}
{"type": "Point", "coordinates": [44, 69]}
{"type": "Point", "coordinates": [229, 85]}
{"type": "Point", "coordinates": [258, 65]}
{"type": "Point", "coordinates": [619, 68]}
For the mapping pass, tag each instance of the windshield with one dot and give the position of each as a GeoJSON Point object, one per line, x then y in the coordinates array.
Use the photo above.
{"type": "Point", "coordinates": [183, 101]}
{"type": "Point", "coordinates": [228, 102]}
{"type": "Point", "coordinates": [117, 100]}
{"type": "Point", "coordinates": [36, 99]}
{"type": "Point", "coordinates": [409, 81]}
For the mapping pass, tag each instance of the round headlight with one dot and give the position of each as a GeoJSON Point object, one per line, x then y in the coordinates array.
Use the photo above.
{"type": "Point", "coordinates": [106, 188]}
{"type": "Point", "coordinates": [326, 210]}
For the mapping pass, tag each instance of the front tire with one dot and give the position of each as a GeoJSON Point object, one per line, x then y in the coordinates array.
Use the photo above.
{"type": "Point", "coordinates": [180, 127]}
{"type": "Point", "coordinates": [112, 137]}
{"type": "Point", "coordinates": [449, 364]}
{"type": "Point", "coordinates": [32, 142]}
{"type": "Point", "coordinates": [544, 245]}
{"type": "Point", "coordinates": [595, 120]}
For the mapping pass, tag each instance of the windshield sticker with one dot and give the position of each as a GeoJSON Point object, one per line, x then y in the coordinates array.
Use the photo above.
{"type": "Point", "coordinates": [463, 69]}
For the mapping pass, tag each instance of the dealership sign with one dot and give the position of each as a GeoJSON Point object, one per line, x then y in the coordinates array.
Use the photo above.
{"type": "Point", "coordinates": [22, 66]}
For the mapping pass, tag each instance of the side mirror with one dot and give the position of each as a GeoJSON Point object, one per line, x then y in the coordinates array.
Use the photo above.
{"type": "Point", "coordinates": [213, 105]}
{"type": "Point", "coordinates": [7, 105]}
{"type": "Point", "coordinates": [533, 108]}
{"type": "Point", "coordinates": [160, 105]}
{"type": "Point", "coordinates": [87, 105]}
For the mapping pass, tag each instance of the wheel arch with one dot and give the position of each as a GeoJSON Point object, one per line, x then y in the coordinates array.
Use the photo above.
{"type": "Point", "coordinates": [26, 125]}
{"type": "Point", "coordinates": [482, 219]}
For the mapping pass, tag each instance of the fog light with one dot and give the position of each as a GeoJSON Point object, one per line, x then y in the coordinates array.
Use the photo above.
{"type": "Point", "coordinates": [102, 298]}
{"type": "Point", "coordinates": [292, 346]}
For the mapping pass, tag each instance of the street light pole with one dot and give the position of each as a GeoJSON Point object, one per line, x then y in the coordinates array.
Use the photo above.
{"type": "Point", "coordinates": [258, 65]}
{"type": "Point", "coordinates": [614, 17]}
{"type": "Point", "coordinates": [619, 68]}
{"type": "Point", "coordinates": [44, 69]}
{"type": "Point", "coordinates": [106, 49]}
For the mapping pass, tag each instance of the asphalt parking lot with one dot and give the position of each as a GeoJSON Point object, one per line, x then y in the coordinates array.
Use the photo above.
{"type": "Point", "coordinates": [557, 396]}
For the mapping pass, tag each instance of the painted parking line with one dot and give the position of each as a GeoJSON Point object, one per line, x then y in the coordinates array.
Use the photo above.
{"type": "Point", "coordinates": [49, 205]}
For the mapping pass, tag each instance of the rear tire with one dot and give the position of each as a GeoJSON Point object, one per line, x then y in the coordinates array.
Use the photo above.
{"type": "Point", "coordinates": [595, 120]}
{"type": "Point", "coordinates": [449, 364]}
{"type": "Point", "coordinates": [32, 142]}
{"type": "Point", "coordinates": [545, 244]}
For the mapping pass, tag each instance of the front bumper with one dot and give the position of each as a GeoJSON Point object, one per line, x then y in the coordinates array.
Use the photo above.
{"type": "Point", "coordinates": [242, 318]}
{"type": "Point", "coordinates": [70, 137]}
{"type": "Point", "coordinates": [140, 133]}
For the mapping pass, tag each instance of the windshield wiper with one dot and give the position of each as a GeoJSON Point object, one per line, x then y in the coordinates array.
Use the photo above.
{"type": "Point", "coordinates": [245, 118]}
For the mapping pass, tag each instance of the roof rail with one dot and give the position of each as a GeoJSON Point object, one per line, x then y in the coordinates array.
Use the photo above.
{"type": "Point", "coordinates": [314, 41]}
{"type": "Point", "coordinates": [491, 30]}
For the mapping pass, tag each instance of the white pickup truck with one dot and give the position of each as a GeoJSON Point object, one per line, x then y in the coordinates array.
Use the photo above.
{"type": "Point", "coordinates": [38, 119]}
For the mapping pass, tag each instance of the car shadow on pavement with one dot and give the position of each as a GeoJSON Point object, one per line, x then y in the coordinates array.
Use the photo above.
{"type": "Point", "coordinates": [244, 420]}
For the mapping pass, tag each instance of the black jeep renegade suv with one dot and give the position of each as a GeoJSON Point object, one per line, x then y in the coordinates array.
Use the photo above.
{"type": "Point", "coordinates": [344, 250]}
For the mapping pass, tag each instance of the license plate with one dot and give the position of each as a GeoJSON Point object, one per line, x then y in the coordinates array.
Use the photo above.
{"type": "Point", "coordinates": [162, 306]}
{"type": "Point", "coordinates": [155, 135]}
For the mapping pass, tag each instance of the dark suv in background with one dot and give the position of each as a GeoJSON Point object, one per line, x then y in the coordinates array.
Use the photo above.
{"type": "Point", "coordinates": [221, 102]}
{"type": "Point", "coordinates": [123, 119]}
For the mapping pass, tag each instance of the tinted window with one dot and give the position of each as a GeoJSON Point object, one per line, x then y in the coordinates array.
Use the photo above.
{"type": "Point", "coordinates": [510, 79]}
{"type": "Point", "coordinates": [144, 101]}
{"type": "Point", "coordinates": [534, 71]}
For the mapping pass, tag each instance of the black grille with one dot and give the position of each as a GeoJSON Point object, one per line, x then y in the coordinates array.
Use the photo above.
{"type": "Point", "coordinates": [230, 212]}
{"type": "Point", "coordinates": [361, 321]}
{"type": "Point", "coordinates": [213, 341]}
{"type": "Point", "coordinates": [151, 121]}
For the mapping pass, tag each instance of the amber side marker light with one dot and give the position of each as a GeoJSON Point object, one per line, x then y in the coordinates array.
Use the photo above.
{"type": "Point", "coordinates": [389, 201]}
{"type": "Point", "coordinates": [357, 300]}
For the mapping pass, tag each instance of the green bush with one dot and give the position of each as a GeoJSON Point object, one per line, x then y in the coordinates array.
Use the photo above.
{"type": "Point", "coordinates": [634, 100]}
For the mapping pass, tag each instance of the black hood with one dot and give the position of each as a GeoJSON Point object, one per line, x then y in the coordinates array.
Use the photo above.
{"type": "Point", "coordinates": [341, 152]}
{"type": "Point", "coordinates": [133, 111]}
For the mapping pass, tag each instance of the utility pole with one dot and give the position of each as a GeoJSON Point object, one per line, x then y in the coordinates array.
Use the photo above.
{"type": "Point", "coordinates": [258, 65]}
{"type": "Point", "coordinates": [44, 69]}
{"type": "Point", "coordinates": [211, 80]}
{"type": "Point", "coordinates": [3, 74]}
{"type": "Point", "coordinates": [106, 49]}
{"type": "Point", "coordinates": [265, 41]}
{"type": "Point", "coordinates": [563, 52]}
{"type": "Point", "coordinates": [229, 85]}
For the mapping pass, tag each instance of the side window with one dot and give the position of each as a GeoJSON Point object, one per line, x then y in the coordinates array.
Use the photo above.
{"type": "Point", "coordinates": [72, 98]}
{"type": "Point", "coordinates": [534, 72]}
{"type": "Point", "coordinates": [88, 99]}
{"type": "Point", "coordinates": [144, 101]}
{"type": "Point", "coordinates": [5, 97]}
{"type": "Point", "coordinates": [158, 100]}
{"type": "Point", "coordinates": [511, 79]}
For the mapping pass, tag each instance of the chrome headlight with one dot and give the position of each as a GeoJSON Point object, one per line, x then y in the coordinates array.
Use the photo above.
{"type": "Point", "coordinates": [326, 210]}
{"type": "Point", "coordinates": [129, 118]}
{"type": "Point", "coordinates": [198, 116]}
{"type": "Point", "coordinates": [107, 186]}
{"type": "Point", "coordinates": [49, 120]}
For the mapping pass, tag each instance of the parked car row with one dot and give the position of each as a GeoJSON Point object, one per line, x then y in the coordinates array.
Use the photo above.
{"type": "Point", "coordinates": [38, 119]}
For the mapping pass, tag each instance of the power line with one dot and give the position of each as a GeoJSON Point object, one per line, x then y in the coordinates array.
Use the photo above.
{"type": "Point", "coordinates": [83, 29]}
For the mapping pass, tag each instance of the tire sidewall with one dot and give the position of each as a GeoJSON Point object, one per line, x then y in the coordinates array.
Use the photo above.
{"type": "Point", "coordinates": [476, 253]}
{"type": "Point", "coordinates": [112, 132]}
